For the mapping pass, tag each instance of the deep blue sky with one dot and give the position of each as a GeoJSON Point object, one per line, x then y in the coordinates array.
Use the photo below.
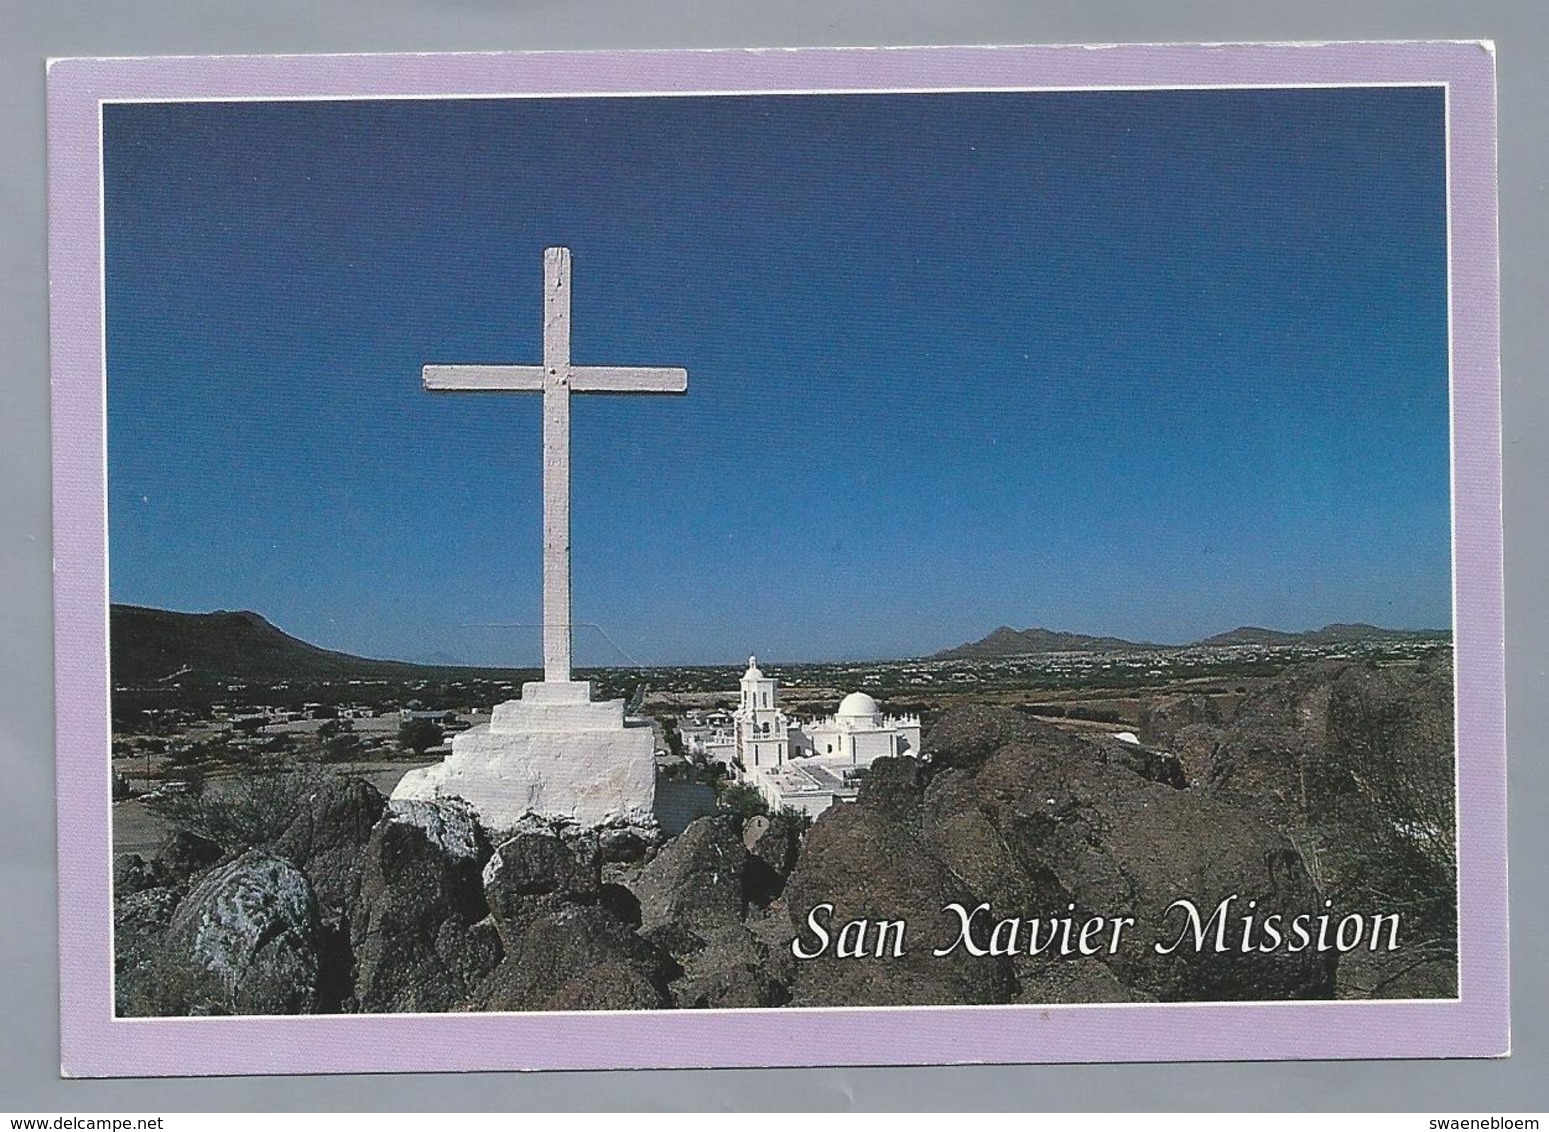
{"type": "Point", "coordinates": [1152, 364]}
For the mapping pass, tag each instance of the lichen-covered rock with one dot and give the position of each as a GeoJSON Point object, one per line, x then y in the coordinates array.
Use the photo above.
{"type": "Point", "coordinates": [448, 824]}
{"type": "Point", "coordinates": [328, 837]}
{"type": "Point", "coordinates": [696, 880]}
{"type": "Point", "coordinates": [253, 925]}
{"type": "Point", "coordinates": [421, 868]}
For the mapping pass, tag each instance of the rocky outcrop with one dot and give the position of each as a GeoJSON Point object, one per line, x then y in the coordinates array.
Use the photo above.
{"type": "Point", "coordinates": [1164, 717]}
{"type": "Point", "coordinates": [328, 837]}
{"type": "Point", "coordinates": [1344, 768]}
{"type": "Point", "coordinates": [541, 867]}
{"type": "Point", "coordinates": [966, 736]}
{"type": "Point", "coordinates": [140, 921]}
{"type": "Point", "coordinates": [894, 787]}
{"type": "Point", "coordinates": [696, 881]}
{"type": "Point", "coordinates": [1150, 764]}
{"type": "Point", "coordinates": [1271, 756]}
{"type": "Point", "coordinates": [576, 957]}
{"type": "Point", "coordinates": [252, 926]}
{"type": "Point", "coordinates": [773, 842]}
{"type": "Point", "coordinates": [415, 933]}
{"type": "Point", "coordinates": [732, 968]}
{"type": "Point", "coordinates": [1078, 832]}
{"type": "Point", "coordinates": [868, 862]}
{"type": "Point", "coordinates": [1195, 745]}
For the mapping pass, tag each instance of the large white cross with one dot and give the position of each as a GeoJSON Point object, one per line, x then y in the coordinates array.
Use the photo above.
{"type": "Point", "coordinates": [556, 379]}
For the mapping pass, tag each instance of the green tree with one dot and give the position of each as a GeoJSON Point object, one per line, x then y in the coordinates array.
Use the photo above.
{"type": "Point", "coordinates": [743, 801]}
{"type": "Point", "coordinates": [419, 735]}
{"type": "Point", "coordinates": [340, 742]}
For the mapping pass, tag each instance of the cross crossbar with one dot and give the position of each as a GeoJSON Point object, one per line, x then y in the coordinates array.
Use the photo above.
{"type": "Point", "coordinates": [529, 379]}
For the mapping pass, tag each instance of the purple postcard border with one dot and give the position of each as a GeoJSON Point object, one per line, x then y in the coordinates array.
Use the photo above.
{"type": "Point", "coordinates": [94, 1043]}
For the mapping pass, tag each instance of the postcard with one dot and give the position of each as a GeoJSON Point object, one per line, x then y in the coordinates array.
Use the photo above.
{"type": "Point", "coordinates": [777, 558]}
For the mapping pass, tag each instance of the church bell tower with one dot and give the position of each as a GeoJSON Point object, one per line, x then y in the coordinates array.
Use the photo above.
{"type": "Point", "coordinates": [761, 725]}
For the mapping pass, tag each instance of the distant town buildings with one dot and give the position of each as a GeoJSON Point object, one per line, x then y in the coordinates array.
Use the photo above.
{"type": "Point", "coordinates": [806, 765]}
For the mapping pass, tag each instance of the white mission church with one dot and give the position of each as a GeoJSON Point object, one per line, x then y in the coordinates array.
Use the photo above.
{"type": "Point", "coordinates": [811, 764]}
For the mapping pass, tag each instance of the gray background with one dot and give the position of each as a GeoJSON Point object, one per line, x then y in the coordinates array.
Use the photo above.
{"type": "Point", "coordinates": [33, 31]}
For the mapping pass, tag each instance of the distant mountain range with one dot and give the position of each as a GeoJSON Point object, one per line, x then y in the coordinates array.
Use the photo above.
{"type": "Point", "coordinates": [1006, 641]}
{"type": "Point", "coordinates": [151, 645]}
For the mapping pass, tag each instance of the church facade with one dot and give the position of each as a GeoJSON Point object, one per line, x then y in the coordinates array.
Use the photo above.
{"type": "Point", "coordinates": [809, 765]}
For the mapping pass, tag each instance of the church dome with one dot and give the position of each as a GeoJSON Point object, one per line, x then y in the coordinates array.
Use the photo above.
{"type": "Point", "coordinates": [859, 704]}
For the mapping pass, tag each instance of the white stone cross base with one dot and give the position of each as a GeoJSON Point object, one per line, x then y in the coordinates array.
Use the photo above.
{"type": "Point", "coordinates": [555, 752]}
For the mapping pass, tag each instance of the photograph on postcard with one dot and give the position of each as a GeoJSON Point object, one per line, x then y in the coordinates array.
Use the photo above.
{"type": "Point", "coordinates": [955, 548]}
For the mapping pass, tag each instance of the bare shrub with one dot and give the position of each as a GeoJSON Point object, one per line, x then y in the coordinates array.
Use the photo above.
{"type": "Point", "coordinates": [251, 807]}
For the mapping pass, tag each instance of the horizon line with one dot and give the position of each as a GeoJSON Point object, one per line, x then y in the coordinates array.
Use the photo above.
{"type": "Point", "coordinates": [537, 665]}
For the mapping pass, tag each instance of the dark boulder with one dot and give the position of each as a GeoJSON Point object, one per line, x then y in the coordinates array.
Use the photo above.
{"type": "Point", "coordinates": [620, 903]}
{"type": "Point", "coordinates": [421, 870]}
{"type": "Point", "coordinates": [773, 842]}
{"type": "Point", "coordinates": [1152, 765]}
{"type": "Point", "coordinates": [182, 854]}
{"type": "Point", "coordinates": [132, 874]}
{"type": "Point", "coordinates": [732, 969]}
{"type": "Point", "coordinates": [471, 952]}
{"type": "Point", "coordinates": [1272, 755]}
{"type": "Point", "coordinates": [624, 844]}
{"type": "Point", "coordinates": [576, 957]}
{"type": "Point", "coordinates": [861, 862]}
{"type": "Point", "coordinates": [328, 837]}
{"type": "Point", "coordinates": [774, 839]}
{"type": "Point", "coordinates": [140, 922]}
{"type": "Point", "coordinates": [968, 841]}
{"type": "Point", "coordinates": [1196, 745]}
{"type": "Point", "coordinates": [1113, 844]}
{"type": "Point", "coordinates": [966, 736]}
{"type": "Point", "coordinates": [540, 863]}
{"type": "Point", "coordinates": [1164, 717]}
{"type": "Point", "coordinates": [1385, 800]}
{"type": "Point", "coordinates": [696, 880]}
{"type": "Point", "coordinates": [893, 786]}
{"type": "Point", "coordinates": [252, 926]}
